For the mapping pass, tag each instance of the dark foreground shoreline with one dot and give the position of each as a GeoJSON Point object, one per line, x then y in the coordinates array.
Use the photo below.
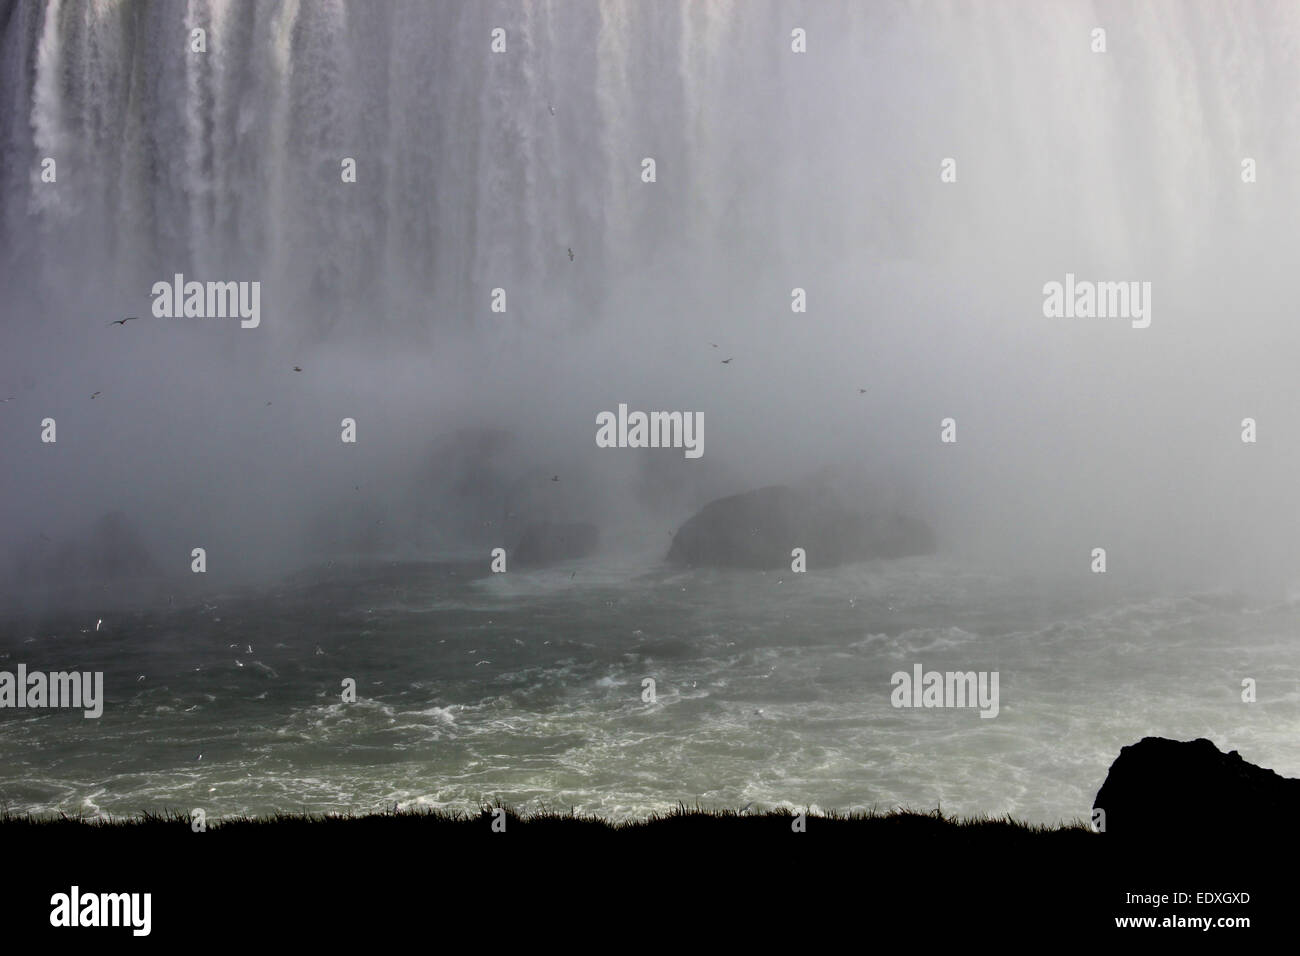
{"type": "Point", "coordinates": [697, 874]}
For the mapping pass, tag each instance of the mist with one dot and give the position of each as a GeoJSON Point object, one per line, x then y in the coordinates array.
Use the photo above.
{"type": "Point", "coordinates": [774, 171]}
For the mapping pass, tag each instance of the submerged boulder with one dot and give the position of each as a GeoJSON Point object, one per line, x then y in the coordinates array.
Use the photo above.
{"type": "Point", "coordinates": [547, 542]}
{"type": "Point", "coordinates": [1190, 789]}
{"type": "Point", "coordinates": [758, 529]}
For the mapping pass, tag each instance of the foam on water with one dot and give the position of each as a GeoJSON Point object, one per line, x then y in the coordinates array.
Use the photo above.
{"type": "Point", "coordinates": [756, 702]}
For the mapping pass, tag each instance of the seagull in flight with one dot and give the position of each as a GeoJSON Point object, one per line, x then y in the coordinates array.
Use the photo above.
{"type": "Point", "coordinates": [555, 478]}
{"type": "Point", "coordinates": [570, 253]}
{"type": "Point", "coordinates": [714, 344]}
{"type": "Point", "coordinates": [297, 368]}
{"type": "Point", "coordinates": [97, 393]}
{"type": "Point", "coordinates": [129, 318]}
{"type": "Point", "coordinates": [862, 391]}
{"type": "Point", "coordinates": [725, 361]}
{"type": "Point", "coordinates": [552, 108]}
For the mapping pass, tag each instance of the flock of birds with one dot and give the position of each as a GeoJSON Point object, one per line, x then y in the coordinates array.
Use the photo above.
{"type": "Point", "coordinates": [135, 318]}
{"type": "Point", "coordinates": [298, 368]}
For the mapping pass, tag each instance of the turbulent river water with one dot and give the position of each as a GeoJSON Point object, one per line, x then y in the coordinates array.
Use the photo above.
{"type": "Point", "coordinates": [522, 171]}
{"type": "Point", "coordinates": [771, 689]}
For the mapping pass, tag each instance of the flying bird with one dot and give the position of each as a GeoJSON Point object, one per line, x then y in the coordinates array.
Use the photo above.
{"type": "Point", "coordinates": [552, 109]}
{"type": "Point", "coordinates": [9, 399]}
{"type": "Point", "coordinates": [862, 391]}
{"type": "Point", "coordinates": [297, 368]}
{"type": "Point", "coordinates": [714, 344]}
{"type": "Point", "coordinates": [570, 254]}
{"type": "Point", "coordinates": [725, 361]}
{"type": "Point", "coordinates": [129, 318]}
{"type": "Point", "coordinates": [97, 393]}
{"type": "Point", "coordinates": [555, 477]}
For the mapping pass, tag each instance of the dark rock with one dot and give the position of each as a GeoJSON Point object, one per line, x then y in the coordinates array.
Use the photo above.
{"type": "Point", "coordinates": [546, 542]}
{"type": "Point", "coordinates": [1160, 788]}
{"type": "Point", "coordinates": [758, 529]}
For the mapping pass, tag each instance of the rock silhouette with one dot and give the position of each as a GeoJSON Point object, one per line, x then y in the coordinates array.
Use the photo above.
{"type": "Point", "coordinates": [758, 529]}
{"type": "Point", "coordinates": [1161, 788]}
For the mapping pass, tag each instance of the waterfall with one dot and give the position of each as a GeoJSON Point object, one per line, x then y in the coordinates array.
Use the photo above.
{"type": "Point", "coordinates": [775, 170]}
{"type": "Point", "coordinates": [479, 170]}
